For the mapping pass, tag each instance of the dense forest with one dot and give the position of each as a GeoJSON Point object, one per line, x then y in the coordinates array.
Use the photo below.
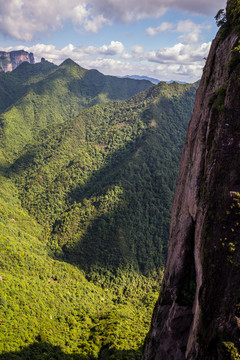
{"type": "Point", "coordinates": [88, 170]}
{"type": "Point", "coordinates": [35, 96]}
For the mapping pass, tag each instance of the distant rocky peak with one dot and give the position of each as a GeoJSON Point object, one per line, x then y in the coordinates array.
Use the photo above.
{"type": "Point", "coordinates": [11, 60]}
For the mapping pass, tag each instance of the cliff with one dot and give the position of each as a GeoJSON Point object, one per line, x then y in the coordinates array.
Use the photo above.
{"type": "Point", "coordinates": [197, 315]}
{"type": "Point", "coordinates": [10, 60]}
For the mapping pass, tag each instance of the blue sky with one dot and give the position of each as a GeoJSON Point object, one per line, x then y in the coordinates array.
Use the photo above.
{"type": "Point", "coordinates": [163, 39]}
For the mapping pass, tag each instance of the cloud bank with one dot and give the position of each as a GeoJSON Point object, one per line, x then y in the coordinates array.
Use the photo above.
{"type": "Point", "coordinates": [190, 31]}
{"type": "Point", "coordinates": [24, 19]}
{"type": "Point", "coordinates": [179, 62]}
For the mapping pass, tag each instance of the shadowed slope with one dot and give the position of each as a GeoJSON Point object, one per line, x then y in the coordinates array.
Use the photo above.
{"type": "Point", "coordinates": [42, 94]}
{"type": "Point", "coordinates": [106, 179]}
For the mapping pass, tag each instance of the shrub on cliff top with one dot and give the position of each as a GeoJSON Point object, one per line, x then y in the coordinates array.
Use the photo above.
{"type": "Point", "coordinates": [229, 19]}
{"type": "Point", "coordinates": [233, 14]}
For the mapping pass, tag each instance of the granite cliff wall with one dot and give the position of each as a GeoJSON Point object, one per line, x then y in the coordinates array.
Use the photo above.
{"type": "Point", "coordinates": [197, 315]}
{"type": "Point", "coordinates": [10, 60]}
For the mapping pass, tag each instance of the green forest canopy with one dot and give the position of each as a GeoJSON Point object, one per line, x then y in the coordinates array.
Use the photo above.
{"type": "Point", "coordinates": [85, 207]}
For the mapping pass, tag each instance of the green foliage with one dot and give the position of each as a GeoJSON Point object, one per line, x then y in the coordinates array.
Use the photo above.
{"type": "Point", "coordinates": [233, 14]}
{"type": "Point", "coordinates": [218, 99]}
{"type": "Point", "coordinates": [229, 20]}
{"type": "Point", "coordinates": [10, 90]}
{"type": "Point", "coordinates": [52, 302]}
{"type": "Point", "coordinates": [235, 58]}
{"type": "Point", "coordinates": [220, 17]}
{"type": "Point", "coordinates": [104, 181]}
{"type": "Point", "coordinates": [29, 74]}
{"type": "Point", "coordinates": [45, 94]}
{"type": "Point", "coordinates": [84, 209]}
{"type": "Point", "coordinates": [228, 351]}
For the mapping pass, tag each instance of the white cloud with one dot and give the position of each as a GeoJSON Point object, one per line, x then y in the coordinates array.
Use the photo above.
{"type": "Point", "coordinates": [180, 62]}
{"type": "Point", "coordinates": [23, 19]}
{"type": "Point", "coordinates": [111, 66]}
{"type": "Point", "coordinates": [95, 23]}
{"type": "Point", "coordinates": [165, 26]}
{"type": "Point", "coordinates": [184, 54]}
{"type": "Point", "coordinates": [115, 47]}
{"type": "Point", "coordinates": [76, 53]}
{"type": "Point", "coordinates": [191, 31]}
{"type": "Point", "coordinates": [128, 10]}
{"type": "Point", "coordinates": [137, 50]}
{"type": "Point", "coordinates": [205, 7]}
{"type": "Point", "coordinates": [186, 26]}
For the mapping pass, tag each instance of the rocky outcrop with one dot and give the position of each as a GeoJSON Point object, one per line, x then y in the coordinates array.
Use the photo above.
{"type": "Point", "coordinates": [197, 315]}
{"type": "Point", "coordinates": [10, 60]}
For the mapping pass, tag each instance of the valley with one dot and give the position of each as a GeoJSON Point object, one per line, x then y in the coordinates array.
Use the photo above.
{"type": "Point", "coordinates": [89, 167]}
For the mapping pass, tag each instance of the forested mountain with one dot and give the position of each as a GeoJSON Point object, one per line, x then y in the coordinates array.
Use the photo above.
{"type": "Point", "coordinates": [104, 181]}
{"type": "Point", "coordinates": [85, 205]}
{"type": "Point", "coordinates": [35, 96]}
{"type": "Point", "coordinates": [49, 310]}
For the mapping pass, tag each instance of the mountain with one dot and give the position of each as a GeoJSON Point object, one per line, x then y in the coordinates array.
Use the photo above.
{"type": "Point", "coordinates": [171, 81]}
{"type": "Point", "coordinates": [154, 81]}
{"type": "Point", "coordinates": [114, 165]}
{"type": "Point", "coordinates": [11, 60]}
{"type": "Point", "coordinates": [137, 77]}
{"type": "Point", "coordinates": [84, 209]}
{"type": "Point", "coordinates": [13, 85]}
{"type": "Point", "coordinates": [35, 96]}
{"type": "Point", "coordinates": [50, 310]}
{"type": "Point", "coordinates": [197, 314]}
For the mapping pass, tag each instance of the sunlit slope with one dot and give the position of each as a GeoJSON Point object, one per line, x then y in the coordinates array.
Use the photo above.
{"type": "Point", "coordinates": [102, 184]}
{"type": "Point", "coordinates": [84, 211]}
{"type": "Point", "coordinates": [44, 94]}
{"type": "Point", "coordinates": [46, 303]}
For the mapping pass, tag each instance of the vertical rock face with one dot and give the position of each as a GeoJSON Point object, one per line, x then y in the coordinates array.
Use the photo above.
{"type": "Point", "coordinates": [10, 60]}
{"type": "Point", "coordinates": [197, 315]}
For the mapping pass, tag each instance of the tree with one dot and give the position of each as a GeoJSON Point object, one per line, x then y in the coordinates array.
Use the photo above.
{"type": "Point", "coordinates": [221, 18]}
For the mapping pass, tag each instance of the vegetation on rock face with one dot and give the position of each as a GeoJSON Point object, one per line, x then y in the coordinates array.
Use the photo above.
{"type": "Point", "coordinates": [233, 14]}
{"type": "Point", "coordinates": [229, 20]}
{"type": "Point", "coordinates": [84, 210]}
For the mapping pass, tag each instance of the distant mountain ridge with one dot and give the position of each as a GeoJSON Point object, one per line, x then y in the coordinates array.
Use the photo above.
{"type": "Point", "coordinates": [11, 60]}
{"type": "Point", "coordinates": [172, 81]}
{"type": "Point", "coordinates": [153, 80]}
{"type": "Point", "coordinates": [25, 94]}
{"type": "Point", "coordinates": [138, 77]}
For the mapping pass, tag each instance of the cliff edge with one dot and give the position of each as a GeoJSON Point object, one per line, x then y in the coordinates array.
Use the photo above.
{"type": "Point", "coordinates": [197, 315]}
{"type": "Point", "coordinates": [10, 60]}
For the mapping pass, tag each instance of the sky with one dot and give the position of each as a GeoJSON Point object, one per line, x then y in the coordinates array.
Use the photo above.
{"type": "Point", "coordinates": [162, 39]}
